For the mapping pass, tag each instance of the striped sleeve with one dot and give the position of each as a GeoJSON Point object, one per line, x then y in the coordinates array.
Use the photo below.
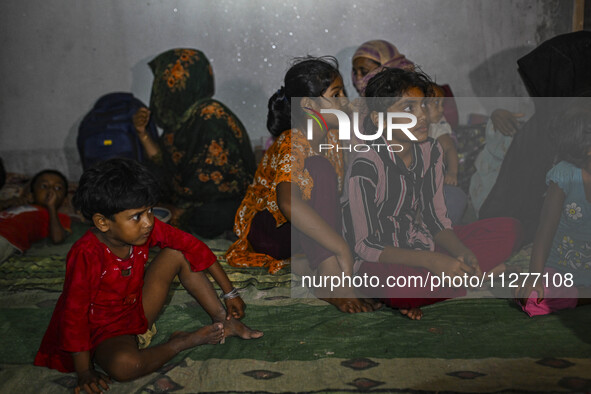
{"type": "Point", "coordinates": [435, 210]}
{"type": "Point", "coordinates": [363, 185]}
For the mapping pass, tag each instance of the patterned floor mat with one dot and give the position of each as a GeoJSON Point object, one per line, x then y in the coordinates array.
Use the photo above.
{"type": "Point", "coordinates": [465, 345]}
{"type": "Point", "coordinates": [469, 345]}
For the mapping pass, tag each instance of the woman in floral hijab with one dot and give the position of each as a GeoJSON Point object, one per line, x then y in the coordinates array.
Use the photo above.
{"type": "Point", "coordinates": [204, 157]}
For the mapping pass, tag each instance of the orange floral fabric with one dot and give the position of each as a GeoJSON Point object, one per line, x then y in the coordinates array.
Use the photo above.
{"type": "Point", "coordinates": [282, 162]}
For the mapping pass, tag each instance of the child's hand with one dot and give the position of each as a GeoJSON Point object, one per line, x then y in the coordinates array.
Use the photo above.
{"type": "Point", "coordinates": [470, 260]}
{"type": "Point", "coordinates": [235, 308]}
{"type": "Point", "coordinates": [443, 264]}
{"type": "Point", "coordinates": [523, 292]}
{"type": "Point", "coordinates": [92, 381]}
{"type": "Point", "coordinates": [451, 179]}
{"type": "Point", "coordinates": [51, 199]}
{"type": "Point", "coordinates": [141, 119]}
{"type": "Point", "coordinates": [505, 122]}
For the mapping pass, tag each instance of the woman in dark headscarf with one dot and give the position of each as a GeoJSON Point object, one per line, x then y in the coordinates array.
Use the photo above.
{"type": "Point", "coordinates": [204, 156]}
{"type": "Point", "coordinates": [559, 67]}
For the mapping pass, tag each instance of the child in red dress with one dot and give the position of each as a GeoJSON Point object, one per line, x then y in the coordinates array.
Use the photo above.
{"type": "Point", "coordinates": [107, 300]}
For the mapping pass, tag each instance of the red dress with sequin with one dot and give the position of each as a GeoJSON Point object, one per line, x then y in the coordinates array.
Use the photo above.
{"type": "Point", "coordinates": [102, 295]}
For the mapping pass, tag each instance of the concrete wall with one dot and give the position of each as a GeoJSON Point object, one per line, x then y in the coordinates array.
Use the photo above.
{"type": "Point", "coordinates": [59, 56]}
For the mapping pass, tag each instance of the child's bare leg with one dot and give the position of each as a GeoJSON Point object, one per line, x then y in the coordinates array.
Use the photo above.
{"type": "Point", "coordinates": [344, 298]}
{"type": "Point", "coordinates": [122, 360]}
{"type": "Point", "coordinates": [199, 286]}
{"type": "Point", "coordinates": [160, 274]}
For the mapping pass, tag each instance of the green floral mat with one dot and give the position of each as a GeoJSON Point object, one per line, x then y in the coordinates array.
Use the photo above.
{"type": "Point", "coordinates": [469, 345]}
{"type": "Point", "coordinates": [463, 345]}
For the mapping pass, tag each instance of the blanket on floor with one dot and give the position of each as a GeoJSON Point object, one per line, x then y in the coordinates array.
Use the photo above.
{"type": "Point", "coordinates": [470, 345]}
{"type": "Point", "coordinates": [462, 345]}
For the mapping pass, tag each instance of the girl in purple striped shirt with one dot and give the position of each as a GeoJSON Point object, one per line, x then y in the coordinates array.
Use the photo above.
{"type": "Point", "coordinates": [395, 216]}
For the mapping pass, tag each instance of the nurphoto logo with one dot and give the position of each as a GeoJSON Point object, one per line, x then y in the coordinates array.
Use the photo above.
{"type": "Point", "coordinates": [391, 124]}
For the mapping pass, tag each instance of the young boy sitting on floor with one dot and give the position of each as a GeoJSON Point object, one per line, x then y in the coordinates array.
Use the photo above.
{"type": "Point", "coordinates": [107, 300]}
{"type": "Point", "coordinates": [23, 223]}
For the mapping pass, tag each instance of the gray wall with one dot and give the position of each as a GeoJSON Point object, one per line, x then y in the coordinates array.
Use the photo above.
{"type": "Point", "coordinates": [59, 56]}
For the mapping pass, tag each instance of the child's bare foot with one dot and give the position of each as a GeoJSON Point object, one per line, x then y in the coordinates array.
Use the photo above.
{"type": "Point", "coordinates": [347, 300]}
{"type": "Point", "coordinates": [375, 304]}
{"type": "Point", "coordinates": [211, 334]}
{"type": "Point", "coordinates": [235, 328]}
{"type": "Point", "coordinates": [350, 305]}
{"type": "Point", "coordinates": [412, 313]}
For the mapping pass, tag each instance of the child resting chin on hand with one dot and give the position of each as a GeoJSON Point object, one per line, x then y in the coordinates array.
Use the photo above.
{"type": "Point", "coordinates": [31, 218]}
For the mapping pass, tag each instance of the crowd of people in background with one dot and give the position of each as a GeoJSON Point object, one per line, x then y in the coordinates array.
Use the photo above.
{"type": "Point", "coordinates": [376, 212]}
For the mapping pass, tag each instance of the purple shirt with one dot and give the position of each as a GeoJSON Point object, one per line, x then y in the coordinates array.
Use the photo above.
{"type": "Point", "coordinates": [386, 204]}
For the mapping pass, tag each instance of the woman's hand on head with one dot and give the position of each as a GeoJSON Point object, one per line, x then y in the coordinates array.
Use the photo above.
{"type": "Point", "coordinates": [505, 122]}
{"type": "Point", "coordinates": [141, 119]}
{"type": "Point", "coordinates": [140, 122]}
{"type": "Point", "coordinates": [92, 381]}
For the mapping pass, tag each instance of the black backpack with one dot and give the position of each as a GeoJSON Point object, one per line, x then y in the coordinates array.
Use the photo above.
{"type": "Point", "coordinates": [107, 130]}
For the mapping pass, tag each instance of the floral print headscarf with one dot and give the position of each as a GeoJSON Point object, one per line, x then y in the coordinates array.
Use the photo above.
{"type": "Point", "coordinates": [182, 77]}
{"type": "Point", "coordinates": [206, 156]}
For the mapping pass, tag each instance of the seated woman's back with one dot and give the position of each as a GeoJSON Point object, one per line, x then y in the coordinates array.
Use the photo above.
{"type": "Point", "coordinates": [206, 158]}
